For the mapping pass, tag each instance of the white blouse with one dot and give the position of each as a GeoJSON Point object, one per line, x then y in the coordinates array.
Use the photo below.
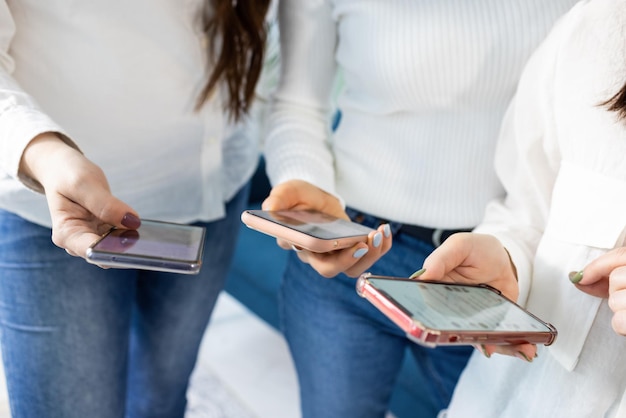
{"type": "Point", "coordinates": [120, 79]}
{"type": "Point", "coordinates": [562, 159]}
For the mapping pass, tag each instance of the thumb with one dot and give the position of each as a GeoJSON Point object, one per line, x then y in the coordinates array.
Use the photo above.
{"type": "Point", "coordinates": [274, 202]}
{"type": "Point", "coordinates": [108, 208]}
{"type": "Point", "coordinates": [115, 212]}
{"type": "Point", "coordinates": [283, 196]}
{"type": "Point", "coordinates": [121, 215]}
{"type": "Point", "coordinates": [76, 225]}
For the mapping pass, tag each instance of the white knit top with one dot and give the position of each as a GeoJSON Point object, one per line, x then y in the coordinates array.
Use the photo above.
{"type": "Point", "coordinates": [426, 84]}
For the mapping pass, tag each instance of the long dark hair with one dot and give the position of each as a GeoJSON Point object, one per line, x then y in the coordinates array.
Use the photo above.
{"type": "Point", "coordinates": [238, 28]}
{"type": "Point", "coordinates": [617, 103]}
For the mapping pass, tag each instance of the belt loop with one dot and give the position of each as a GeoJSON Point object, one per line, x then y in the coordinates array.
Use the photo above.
{"type": "Point", "coordinates": [437, 233]}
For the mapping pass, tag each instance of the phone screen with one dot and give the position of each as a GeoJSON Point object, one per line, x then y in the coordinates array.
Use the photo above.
{"type": "Point", "coordinates": [155, 246]}
{"type": "Point", "coordinates": [456, 307]}
{"type": "Point", "coordinates": [315, 224]}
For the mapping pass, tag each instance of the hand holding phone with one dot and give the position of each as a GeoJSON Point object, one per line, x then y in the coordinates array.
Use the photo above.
{"type": "Point", "coordinates": [160, 246]}
{"type": "Point", "coordinates": [315, 231]}
{"type": "Point", "coordinates": [437, 313]}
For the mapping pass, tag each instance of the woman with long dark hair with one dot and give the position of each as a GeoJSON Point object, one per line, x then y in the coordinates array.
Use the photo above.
{"type": "Point", "coordinates": [113, 111]}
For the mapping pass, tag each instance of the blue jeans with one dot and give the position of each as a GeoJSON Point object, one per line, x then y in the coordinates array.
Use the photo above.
{"type": "Point", "coordinates": [81, 341]}
{"type": "Point", "coordinates": [347, 354]}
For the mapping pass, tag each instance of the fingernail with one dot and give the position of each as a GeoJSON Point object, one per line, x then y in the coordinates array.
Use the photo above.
{"type": "Point", "coordinates": [483, 350]}
{"type": "Point", "coordinates": [576, 276]}
{"type": "Point", "coordinates": [359, 253]}
{"type": "Point", "coordinates": [522, 356]}
{"type": "Point", "coordinates": [387, 230]}
{"type": "Point", "coordinates": [378, 238]}
{"type": "Point", "coordinates": [131, 221]}
{"type": "Point", "coordinates": [417, 273]}
{"type": "Point", "coordinates": [296, 249]}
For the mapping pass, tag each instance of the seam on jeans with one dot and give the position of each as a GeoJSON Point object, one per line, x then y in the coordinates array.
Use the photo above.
{"type": "Point", "coordinates": [29, 328]}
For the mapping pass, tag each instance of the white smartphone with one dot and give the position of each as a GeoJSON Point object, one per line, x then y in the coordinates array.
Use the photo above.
{"type": "Point", "coordinates": [311, 230]}
{"type": "Point", "coordinates": [156, 245]}
{"type": "Point", "coordinates": [437, 313]}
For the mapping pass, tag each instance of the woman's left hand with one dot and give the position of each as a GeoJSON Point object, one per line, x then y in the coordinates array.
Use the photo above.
{"type": "Point", "coordinates": [605, 277]}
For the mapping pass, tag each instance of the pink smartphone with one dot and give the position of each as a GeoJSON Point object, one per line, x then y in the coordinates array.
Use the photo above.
{"type": "Point", "coordinates": [311, 230]}
{"type": "Point", "coordinates": [437, 313]}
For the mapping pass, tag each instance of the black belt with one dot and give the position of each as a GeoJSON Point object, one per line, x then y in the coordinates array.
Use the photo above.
{"type": "Point", "coordinates": [433, 236]}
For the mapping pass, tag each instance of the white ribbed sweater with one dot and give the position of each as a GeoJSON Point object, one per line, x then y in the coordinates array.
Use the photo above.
{"type": "Point", "coordinates": [426, 84]}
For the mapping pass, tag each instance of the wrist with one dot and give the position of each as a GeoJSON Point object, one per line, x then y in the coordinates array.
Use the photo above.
{"type": "Point", "coordinates": [39, 154]}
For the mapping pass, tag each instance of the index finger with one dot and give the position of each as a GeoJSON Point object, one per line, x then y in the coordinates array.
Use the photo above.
{"type": "Point", "coordinates": [601, 267]}
{"type": "Point", "coordinates": [445, 258]}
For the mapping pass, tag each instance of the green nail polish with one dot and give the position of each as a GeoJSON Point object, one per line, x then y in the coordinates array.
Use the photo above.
{"type": "Point", "coordinates": [523, 356]}
{"type": "Point", "coordinates": [576, 276]}
{"type": "Point", "coordinates": [483, 349]}
{"type": "Point", "coordinates": [417, 273]}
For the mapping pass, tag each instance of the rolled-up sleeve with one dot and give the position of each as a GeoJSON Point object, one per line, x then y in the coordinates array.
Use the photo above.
{"type": "Point", "coordinates": [20, 118]}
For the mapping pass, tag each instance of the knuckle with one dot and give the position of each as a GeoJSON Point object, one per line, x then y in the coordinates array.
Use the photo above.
{"type": "Point", "coordinates": [619, 322]}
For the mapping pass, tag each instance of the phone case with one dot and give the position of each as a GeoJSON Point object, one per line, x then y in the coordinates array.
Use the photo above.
{"type": "Point", "coordinates": [431, 337]}
{"type": "Point", "coordinates": [304, 229]}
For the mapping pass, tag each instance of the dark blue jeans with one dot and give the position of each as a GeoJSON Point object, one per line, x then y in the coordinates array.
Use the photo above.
{"type": "Point", "coordinates": [347, 354]}
{"type": "Point", "coordinates": [81, 341]}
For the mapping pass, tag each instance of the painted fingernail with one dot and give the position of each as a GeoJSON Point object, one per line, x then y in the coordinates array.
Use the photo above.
{"type": "Point", "coordinates": [130, 221]}
{"type": "Point", "coordinates": [387, 230]}
{"type": "Point", "coordinates": [378, 238]}
{"type": "Point", "coordinates": [296, 249]}
{"type": "Point", "coordinates": [483, 350]}
{"type": "Point", "coordinates": [417, 273]}
{"type": "Point", "coordinates": [576, 276]}
{"type": "Point", "coordinates": [522, 356]}
{"type": "Point", "coordinates": [359, 253]}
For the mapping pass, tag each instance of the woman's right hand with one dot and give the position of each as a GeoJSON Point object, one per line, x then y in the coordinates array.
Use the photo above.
{"type": "Point", "coordinates": [473, 259]}
{"type": "Point", "coordinates": [298, 194]}
{"type": "Point", "coordinates": [79, 199]}
{"type": "Point", "coordinates": [478, 259]}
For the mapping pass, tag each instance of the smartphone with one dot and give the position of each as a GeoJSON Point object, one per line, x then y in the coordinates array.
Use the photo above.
{"type": "Point", "coordinates": [437, 313]}
{"type": "Point", "coordinates": [311, 230]}
{"type": "Point", "coordinates": [156, 245]}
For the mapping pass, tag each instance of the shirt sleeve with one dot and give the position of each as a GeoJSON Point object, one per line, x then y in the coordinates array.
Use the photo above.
{"type": "Point", "coordinates": [297, 143]}
{"type": "Point", "coordinates": [20, 118]}
{"type": "Point", "coordinates": [526, 162]}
